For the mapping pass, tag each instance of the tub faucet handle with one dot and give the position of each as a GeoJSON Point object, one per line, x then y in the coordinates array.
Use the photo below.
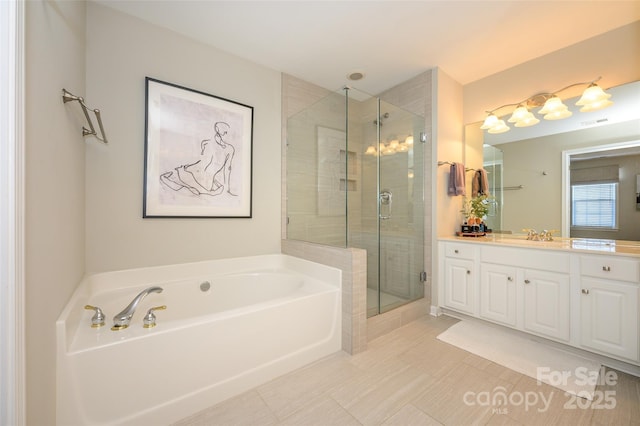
{"type": "Point", "coordinates": [150, 319]}
{"type": "Point", "coordinates": [98, 318]}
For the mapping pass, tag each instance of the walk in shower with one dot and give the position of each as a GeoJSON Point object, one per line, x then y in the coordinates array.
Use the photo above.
{"type": "Point", "coordinates": [355, 178]}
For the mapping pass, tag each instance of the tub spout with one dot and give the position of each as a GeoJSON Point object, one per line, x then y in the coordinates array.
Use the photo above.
{"type": "Point", "coordinates": [123, 319]}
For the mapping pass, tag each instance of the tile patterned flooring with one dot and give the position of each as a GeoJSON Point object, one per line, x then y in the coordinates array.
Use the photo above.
{"type": "Point", "coordinates": [408, 377]}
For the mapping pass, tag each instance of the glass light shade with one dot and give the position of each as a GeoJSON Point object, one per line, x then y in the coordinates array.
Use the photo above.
{"type": "Point", "coordinates": [558, 115]}
{"type": "Point", "coordinates": [371, 150]}
{"type": "Point", "coordinates": [489, 122]}
{"type": "Point", "coordinates": [592, 94]}
{"type": "Point", "coordinates": [409, 140]}
{"type": "Point", "coordinates": [528, 120]}
{"type": "Point", "coordinates": [388, 151]}
{"type": "Point", "coordinates": [595, 106]}
{"type": "Point", "coordinates": [552, 104]}
{"type": "Point", "coordinates": [520, 113]}
{"type": "Point", "coordinates": [500, 127]}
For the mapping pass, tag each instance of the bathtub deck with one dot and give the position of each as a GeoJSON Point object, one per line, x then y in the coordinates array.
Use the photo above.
{"type": "Point", "coordinates": [406, 377]}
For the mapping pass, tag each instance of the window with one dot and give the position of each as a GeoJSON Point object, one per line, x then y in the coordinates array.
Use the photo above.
{"type": "Point", "coordinates": [594, 205]}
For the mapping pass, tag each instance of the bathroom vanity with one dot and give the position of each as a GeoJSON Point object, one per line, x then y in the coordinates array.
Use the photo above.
{"type": "Point", "coordinates": [579, 292]}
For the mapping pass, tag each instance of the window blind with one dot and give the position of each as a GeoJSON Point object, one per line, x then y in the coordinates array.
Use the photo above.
{"type": "Point", "coordinates": [594, 205]}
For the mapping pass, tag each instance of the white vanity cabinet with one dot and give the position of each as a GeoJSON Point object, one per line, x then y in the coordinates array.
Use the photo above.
{"type": "Point", "coordinates": [546, 304]}
{"type": "Point", "coordinates": [610, 294]}
{"type": "Point", "coordinates": [460, 278]}
{"type": "Point", "coordinates": [498, 293]}
{"type": "Point", "coordinates": [529, 288]}
{"type": "Point", "coordinates": [553, 290]}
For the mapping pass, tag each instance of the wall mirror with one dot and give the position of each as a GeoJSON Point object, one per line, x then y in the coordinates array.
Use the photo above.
{"type": "Point", "coordinates": [530, 170]}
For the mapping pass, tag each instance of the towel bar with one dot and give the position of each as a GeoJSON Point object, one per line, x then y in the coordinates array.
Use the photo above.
{"type": "Point", "coordinates": [91, 131]}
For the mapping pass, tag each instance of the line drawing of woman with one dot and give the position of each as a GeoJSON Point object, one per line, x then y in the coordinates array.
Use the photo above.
{"type": "Point", "coordinates": [211, 174]}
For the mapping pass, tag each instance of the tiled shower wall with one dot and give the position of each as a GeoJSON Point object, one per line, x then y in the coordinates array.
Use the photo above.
{"type": "Point", "coordinates": [415, 96]}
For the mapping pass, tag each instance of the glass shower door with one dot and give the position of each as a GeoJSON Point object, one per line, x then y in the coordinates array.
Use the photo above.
{"type": "Point", "coordinates": [400, 208]}
{"type": "Point", "coordinates": [355, 174]}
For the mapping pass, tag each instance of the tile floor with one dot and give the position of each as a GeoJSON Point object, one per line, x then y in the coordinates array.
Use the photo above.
{"type": "Point", "coordinates": [408, 377]}
{"type": "Point", "coordinates": [387, 301]}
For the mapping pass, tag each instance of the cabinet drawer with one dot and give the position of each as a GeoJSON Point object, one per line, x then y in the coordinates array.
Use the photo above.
{"type": "Point", "coordinates": [610, 267]}
{"type": "Point", "coordinates": [546, 260]}
{"type": "Point", "coordinates": [459, 251]}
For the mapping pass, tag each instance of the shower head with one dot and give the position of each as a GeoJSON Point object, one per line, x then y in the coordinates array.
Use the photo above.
{"type": "Point", "coordinates": [383, 116]}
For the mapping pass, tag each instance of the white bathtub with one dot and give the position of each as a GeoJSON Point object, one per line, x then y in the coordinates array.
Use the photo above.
{"type": "Point", "coordinates": [263, 316]}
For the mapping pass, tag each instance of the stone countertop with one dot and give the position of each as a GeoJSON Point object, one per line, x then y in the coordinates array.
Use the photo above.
{"type": "Point", "coordinates": [583, 245]}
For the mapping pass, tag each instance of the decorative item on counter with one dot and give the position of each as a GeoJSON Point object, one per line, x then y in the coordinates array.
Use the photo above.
{"type": "Point", "coordinates": [475, 211]}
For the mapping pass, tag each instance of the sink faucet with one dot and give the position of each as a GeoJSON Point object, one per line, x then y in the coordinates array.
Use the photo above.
{"type": "Point", "coordinates": [546, 235]}
{"type": "Point", "coordinates": [122, 320]}
{"type": "Point", "coordinates": [542, 236]}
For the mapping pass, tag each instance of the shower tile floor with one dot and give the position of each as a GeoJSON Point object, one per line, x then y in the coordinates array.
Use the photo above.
{"type": "Point", "coordinates": [408, 377]}
{"type": "Point", "coordinates": [387, 301]}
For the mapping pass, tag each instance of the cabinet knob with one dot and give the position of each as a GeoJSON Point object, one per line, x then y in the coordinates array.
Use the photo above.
{"type": "Point", "coordinates": [455, 251]}
{"type": "Point", "coordinates": [527, 282]}
{"type": "Point", "coordinates": [468, 272]}
{"type": "Point", "coordinates": [585, 291]}
{"type": "Point", "coordinates": [509, 279]}
{"type": "Point", "coordinates": [606, 268]}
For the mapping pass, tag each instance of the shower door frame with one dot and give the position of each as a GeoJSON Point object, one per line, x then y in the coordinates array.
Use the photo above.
{"type": "Point", "coordinates": [382, 239]}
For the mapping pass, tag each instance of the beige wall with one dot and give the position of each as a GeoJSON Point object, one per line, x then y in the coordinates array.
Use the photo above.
{"type": "Point", "coordinates": [84, 199]}
{"type": "Point", "coordinates": [121, 51]}
{"type": "Point", "coordinates": [55, 174]}
{"type": "Point", "coordinates": [450, 146]}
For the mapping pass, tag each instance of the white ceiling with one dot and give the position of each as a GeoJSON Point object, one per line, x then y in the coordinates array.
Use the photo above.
{"type": "Point", "coordinates": [389, 41]}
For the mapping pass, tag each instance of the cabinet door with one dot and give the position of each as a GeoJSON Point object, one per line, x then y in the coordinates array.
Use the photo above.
{"type": "Point", "coordinates": [609, 313]}
{"type": "Point", "coordinates": [546, 304]}
{"type": "Point", "coordinates": [498, 293]}
{"type": "Point", "coordinates": [459, 289]}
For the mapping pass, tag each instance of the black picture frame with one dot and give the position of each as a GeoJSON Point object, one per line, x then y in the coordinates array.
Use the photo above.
{"type": "Point", "coordinates": [198, 154]}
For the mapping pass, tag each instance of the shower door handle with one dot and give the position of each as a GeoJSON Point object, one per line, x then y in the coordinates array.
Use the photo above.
{"type": "Point", "coordinates": [386, 200]}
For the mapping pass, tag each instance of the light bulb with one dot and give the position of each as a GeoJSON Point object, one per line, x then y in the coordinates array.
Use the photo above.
{"type": "Point", "coordinates": [489, 122]}
{"type": "Point", "coordinates": [520, 112]}
{"type": "Point", "coordinates": [528, 120]}
{"type": "Point", "coordinates": [593, 99]}
{"type": "Point", "coordinates": [371, 150]}
{"type": "Point", "coordinates": [593, 93]}
{"type": "Point", "coordinates": [558, 115]}
{"type": "Point", "coordinates": [500, 127]}
{"type": "Point", "coordinates": [595, 106]}
{"type": "Point", "coordinates": [552, 104]}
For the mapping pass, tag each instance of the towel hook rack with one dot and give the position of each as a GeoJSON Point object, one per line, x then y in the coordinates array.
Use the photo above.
{"type": "Point", "coordinates": [91, 131]}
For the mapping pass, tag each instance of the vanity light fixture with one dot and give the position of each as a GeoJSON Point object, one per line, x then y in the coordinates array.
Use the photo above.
{"type": "Point", "coordinates": [392, 147]}
{"type": "Point", "coordinates": [593, 99]}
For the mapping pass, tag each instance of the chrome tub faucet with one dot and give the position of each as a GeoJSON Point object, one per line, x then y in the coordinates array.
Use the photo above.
{"type": "Point", "coordinates": [122, 320]}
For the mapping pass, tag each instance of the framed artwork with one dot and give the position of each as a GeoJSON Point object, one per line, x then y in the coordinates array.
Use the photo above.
{"type": "Point", "coordinates": [198, 154]}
